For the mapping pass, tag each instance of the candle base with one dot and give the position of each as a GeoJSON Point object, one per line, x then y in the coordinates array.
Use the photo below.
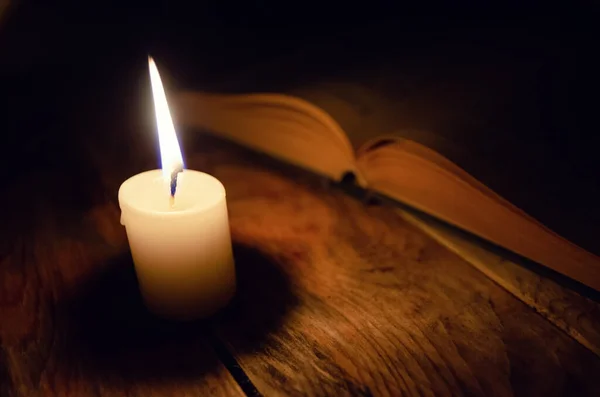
{"type": "Point", "coordinates": [189, 290]}
{"type": "Point", "coordinates": [187, 309]}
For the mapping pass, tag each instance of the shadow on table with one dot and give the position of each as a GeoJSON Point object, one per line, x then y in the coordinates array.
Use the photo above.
{"type": "Point", "coordinates": [264, 297]}
{"type": "Point", "coordinates": [111, 335]}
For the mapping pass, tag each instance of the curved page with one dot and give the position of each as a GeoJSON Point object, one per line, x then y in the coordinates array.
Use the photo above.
{"type": "Point", "coordinates": [282, 126]}
{"type": "Point", "coordinates": [411, 174]}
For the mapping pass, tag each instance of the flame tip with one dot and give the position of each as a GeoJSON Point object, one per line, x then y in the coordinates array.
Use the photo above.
{"type": "Point", "coordinates": [170, 151]}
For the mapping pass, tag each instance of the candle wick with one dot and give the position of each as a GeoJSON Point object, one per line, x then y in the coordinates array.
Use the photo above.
{"type": "Point", "coordinates": [174, 183]}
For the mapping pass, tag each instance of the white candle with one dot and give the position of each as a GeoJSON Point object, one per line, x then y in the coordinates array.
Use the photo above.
{"type": "Point", "coordinates": [181, 246]}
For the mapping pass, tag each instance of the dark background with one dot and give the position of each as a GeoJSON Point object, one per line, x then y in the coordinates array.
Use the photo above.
{"type": "Point", "coordinates": [75, 70]}
{"type": "Point", "coordinates": [51, 56]}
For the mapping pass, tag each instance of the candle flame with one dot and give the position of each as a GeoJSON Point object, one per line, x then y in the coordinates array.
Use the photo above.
{"type": "Point", "coordinates": [170, 153]}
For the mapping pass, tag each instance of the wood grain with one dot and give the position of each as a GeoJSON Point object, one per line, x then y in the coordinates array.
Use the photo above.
{"type": "Point", "coordinates": [72, 322]}
{"type": "Point", "coordinates": [336, 298]}
{"type": "Point", "coordinates": [578, 316]}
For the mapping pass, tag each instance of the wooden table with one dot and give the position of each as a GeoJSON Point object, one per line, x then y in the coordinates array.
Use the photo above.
{"type": "Point", "coordinates": [335, 297]}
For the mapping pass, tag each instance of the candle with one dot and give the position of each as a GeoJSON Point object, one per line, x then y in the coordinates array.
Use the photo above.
{"type": "Point", "coordinates": [178, 230]}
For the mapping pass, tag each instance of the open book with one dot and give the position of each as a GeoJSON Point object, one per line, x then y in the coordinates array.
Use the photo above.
{"type": "Point", "coordinates": [397, 159]}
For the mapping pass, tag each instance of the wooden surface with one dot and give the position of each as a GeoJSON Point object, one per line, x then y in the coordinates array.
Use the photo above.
{"type": "Point", "coordinates": [338, 298]}
{"type": "Point", "coordinates": [361, 303]}
{"type": "Point", "coordinates": [575, 314]}
{"type": "Point", "coordinates": [334, 298]}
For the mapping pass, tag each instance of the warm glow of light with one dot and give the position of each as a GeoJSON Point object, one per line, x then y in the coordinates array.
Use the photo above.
{"type": "Point", "coordinates": [170, 153]}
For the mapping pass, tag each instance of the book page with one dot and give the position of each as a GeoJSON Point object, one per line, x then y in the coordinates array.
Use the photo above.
{"type": "Point", "coordinates": [412, 174]}
{"type": "Point", "coordinates": [281, 126]}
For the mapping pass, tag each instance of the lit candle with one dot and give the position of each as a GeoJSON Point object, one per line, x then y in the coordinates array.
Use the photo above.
{"type": "Point", "coordinates": [178, 230]}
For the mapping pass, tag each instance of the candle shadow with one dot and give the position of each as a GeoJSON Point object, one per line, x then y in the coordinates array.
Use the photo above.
{"type": "Point", "coordinates": [111, 336]}
{"type": "Point", "coordinates": [263, 299]}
